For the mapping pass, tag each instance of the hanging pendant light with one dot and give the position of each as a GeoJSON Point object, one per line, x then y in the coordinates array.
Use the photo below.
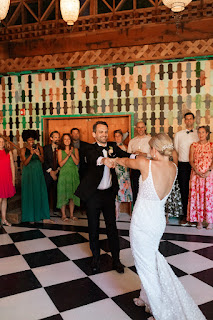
{"type": "Point", "coordinates": [175, 5]}
{"type": "Point", "coordinates": [70, 10]}
{"type": "Point", "coordinates": [4, 7]}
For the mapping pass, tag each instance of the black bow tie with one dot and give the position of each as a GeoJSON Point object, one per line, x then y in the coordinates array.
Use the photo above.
{"type": "Point", "coordinates": [189, 131]}
{"type": "Point", "coordinates": [104, 148]}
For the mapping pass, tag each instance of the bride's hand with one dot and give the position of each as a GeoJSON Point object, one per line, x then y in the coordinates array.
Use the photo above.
{"type": "Point", "coordinates": [114, 162]}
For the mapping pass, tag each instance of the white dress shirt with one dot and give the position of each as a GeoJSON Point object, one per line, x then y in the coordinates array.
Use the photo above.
{"type": "Point", "coordinates": [106, 181]}
{"type": "Point", "coordinates": [182, 143]}
{"type": "Point", "coordinates": [139, 144]}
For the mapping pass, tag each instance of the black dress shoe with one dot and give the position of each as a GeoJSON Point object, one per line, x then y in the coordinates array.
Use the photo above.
{"type": "Point", "coordinates": [95, 265]}
{"type": "Point", "coordinates": [117, 266]}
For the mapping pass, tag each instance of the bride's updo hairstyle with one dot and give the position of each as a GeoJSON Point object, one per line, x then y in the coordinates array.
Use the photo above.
{"type": "Point", "coordinates": [162, 143]}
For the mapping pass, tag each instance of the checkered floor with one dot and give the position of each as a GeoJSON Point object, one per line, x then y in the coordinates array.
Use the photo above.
{"type": "Point", "coordinates": [45, 272]}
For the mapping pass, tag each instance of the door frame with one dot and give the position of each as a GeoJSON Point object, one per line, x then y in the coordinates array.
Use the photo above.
{"type": "Point", "coordinates": [98, 115]}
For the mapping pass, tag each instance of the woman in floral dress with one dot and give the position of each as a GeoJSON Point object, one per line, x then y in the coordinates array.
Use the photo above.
{"type": "Point", "coordinates": [125, 191]}
{"type": "Point", "coordinates": [200, 205]}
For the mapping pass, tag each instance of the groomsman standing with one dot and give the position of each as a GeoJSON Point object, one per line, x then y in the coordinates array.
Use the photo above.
{"type": "Point", "coordinates": [82, 147]}
{"type": "Point", "coordinates": [138, 145]}
{"type": "Point", "coordinates": [182, 141]}
{"type": "Point", "coordinates": [51, 168]}
{"type": "Point", "coordinates": [98, 190]}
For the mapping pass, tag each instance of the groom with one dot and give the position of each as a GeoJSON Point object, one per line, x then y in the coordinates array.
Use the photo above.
{"type": "Point", "coordinates": [98, 190]}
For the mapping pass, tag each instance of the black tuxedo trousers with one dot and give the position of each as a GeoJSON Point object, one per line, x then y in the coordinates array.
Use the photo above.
{"type": "Point", "coordinates": [102, 201]}
{"type": "Point", "coordinates": [184, 171]}
{"type": "Point", "coordinates": [51, 189]}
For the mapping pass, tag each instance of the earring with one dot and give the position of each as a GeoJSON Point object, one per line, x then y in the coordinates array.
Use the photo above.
{"type": "Point", "coordinates": [154, 156]}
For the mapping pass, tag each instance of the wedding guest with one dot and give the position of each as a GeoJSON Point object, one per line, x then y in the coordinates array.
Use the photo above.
{"type": "Point", "coordinates": [182, 141]}
{"type": "Point", "coordinates": [200, 206]}
{"type": "Point", "coordinates": [173, 206]}
{"type": "Point", "coordinates": [82, 148]}
{"type": "Point", "coordinates": [82, 166]}
{"type": "Point", "coordinates": [139, 145]}
{"type": "Point", "coordinates": [162, 293]}
{"type": "Point", "coordinates": [68, 181]}
{"type": "Point", "coordinates": [34, 195]}
{"type": "Point", "coordinates": [7, 179]}
{"type": "Point", "coordinates": [123, 175]}
{"type": "Point", "coordinates": [51, 168]}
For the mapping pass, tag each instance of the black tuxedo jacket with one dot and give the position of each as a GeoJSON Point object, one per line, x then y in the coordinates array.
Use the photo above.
{"type": "Point", "coordinates": [94, 174]}
{"type": "Point", "coordinates": [83, 158]}
{"type": "Point", "coordinates": [48, 157]}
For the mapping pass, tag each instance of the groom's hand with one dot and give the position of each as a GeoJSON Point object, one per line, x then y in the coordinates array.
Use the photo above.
{"type": "Point", "coordinates": [108, 162]}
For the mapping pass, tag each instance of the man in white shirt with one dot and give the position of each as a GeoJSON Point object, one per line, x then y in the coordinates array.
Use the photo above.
{"type": "Point", "coordinates": [182, 141]}
{"type": "Point", "coordinates": [139, 145]}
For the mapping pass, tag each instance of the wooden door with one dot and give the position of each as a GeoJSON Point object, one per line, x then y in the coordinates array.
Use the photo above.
{"type": "Point", "coordinates": [85, 125]}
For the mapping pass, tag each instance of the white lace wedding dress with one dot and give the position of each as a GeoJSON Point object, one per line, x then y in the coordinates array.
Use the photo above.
{"type": "Point", "coordinates": [161, 290]}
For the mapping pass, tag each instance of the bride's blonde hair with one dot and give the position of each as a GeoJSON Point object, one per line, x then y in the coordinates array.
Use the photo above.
{"type": "Point", "coordinates": [162, 143]}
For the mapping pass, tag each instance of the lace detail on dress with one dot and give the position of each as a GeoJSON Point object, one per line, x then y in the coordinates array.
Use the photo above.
{"type": "Point", "coordinates": [146, 187]}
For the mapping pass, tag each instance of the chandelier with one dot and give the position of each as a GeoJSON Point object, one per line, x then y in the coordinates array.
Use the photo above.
{"type": "Point", "coordinates": [176, 5]}
{"type": "Point", "coordinates": [70, 10]}
{"type": "Point", "coordinates": [4, 7]}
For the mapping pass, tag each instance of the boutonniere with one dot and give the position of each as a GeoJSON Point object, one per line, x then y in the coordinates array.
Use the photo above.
{"type": "Point", "coordinates": [110, 151]}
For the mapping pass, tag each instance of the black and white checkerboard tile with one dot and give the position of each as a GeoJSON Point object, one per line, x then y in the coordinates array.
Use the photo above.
{"type": "Point", "coordinates": [45, 272]}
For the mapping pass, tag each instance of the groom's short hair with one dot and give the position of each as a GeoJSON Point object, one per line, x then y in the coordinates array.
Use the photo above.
{"type": "Point", "coordinates": [97, 123]}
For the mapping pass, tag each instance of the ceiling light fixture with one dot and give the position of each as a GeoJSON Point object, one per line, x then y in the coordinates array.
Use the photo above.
{"type": "Point", "coordinates": [70, 11]}
{"type": "Point", "coordinates": [4, 7]}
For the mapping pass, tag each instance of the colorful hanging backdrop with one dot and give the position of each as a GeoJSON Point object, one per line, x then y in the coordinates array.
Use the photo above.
{"type": "Point", "coordinates": [158, 93]}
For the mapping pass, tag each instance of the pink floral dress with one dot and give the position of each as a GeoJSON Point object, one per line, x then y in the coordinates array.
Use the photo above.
{"type": "Point", "coordinates": [200, 205]}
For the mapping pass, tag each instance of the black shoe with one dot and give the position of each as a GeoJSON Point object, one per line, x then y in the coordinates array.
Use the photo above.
{"type": "Point", "coordinates": [117, 266]}
{"type": "Point", "coordinates": [95, 265]}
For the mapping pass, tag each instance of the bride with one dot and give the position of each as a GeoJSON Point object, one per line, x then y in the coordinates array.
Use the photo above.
{"type": "Point", "coordinates": [162, 294]}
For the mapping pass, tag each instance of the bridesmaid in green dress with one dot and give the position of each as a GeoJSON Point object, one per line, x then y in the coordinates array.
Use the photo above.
{"type": "Point", "coordinates": [35, 205]}
{"type": "Point", "coordinates": [68, 181]}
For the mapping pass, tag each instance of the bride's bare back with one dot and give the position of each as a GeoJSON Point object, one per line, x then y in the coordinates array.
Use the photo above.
{"type": "Point", "coordinates": [163, 175]}
{"type": "Point", "coordinates": [163, 172]}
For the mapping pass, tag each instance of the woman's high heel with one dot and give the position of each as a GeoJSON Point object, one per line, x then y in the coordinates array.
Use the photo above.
{"type": "Point", "coordinates": [6, 223]}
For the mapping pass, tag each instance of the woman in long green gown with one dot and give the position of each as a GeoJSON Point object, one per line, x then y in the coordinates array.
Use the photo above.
{"type": "Point", "coordinates": [68, 181]}
{"type": "Point", "coordinates": [35, 206]}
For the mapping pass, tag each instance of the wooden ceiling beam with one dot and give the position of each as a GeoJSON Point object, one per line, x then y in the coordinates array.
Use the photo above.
{"type": "Point", "coordinates": [121, 3]}
{"type": "Point", "coordinates": [48, 10]}
{"type": "Point", "coordinates": [31, 12]}
{"type": "Point", "coordinates": [83, 41]}
{"type": "Point", "coordinates": [83, 7]}
{"type": "Point", "coordinates": [15, 15]}
{"type": "Point", "coordinates": [107, 4]}
{"type": "Point", "coordinates": [93, 7]}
